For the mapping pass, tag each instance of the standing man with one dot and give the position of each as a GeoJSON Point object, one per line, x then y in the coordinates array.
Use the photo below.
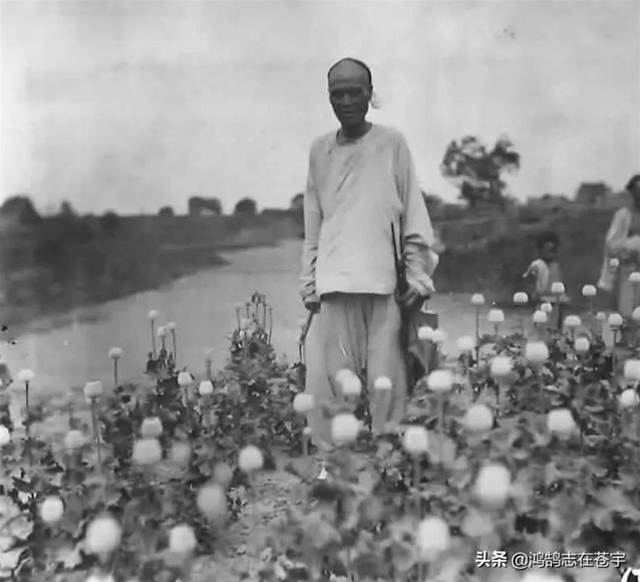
{"type": "Point", "coordinates": [361, 180]}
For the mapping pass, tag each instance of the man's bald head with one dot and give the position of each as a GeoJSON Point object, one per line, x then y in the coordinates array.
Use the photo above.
{"type": "Point", "coordinates": [349, 70]}
{"type": "Point", "coordinates": [349, 92]}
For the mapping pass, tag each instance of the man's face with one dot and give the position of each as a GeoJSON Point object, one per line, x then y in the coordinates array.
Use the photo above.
{"type": "Point", "coordinates": [549, 251]}
{"type": "Point", "coordinates": [349, 93]}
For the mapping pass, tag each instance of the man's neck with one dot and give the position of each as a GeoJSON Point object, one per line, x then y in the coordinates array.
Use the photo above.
{"type": "Point", "coordinates": [352, 132]}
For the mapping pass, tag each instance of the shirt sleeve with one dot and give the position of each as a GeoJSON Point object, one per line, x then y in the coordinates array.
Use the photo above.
{"type": "Point", "coordinates": [417, 231]}
{"type": "Point", "coordinates": [312, 222]}
{"type": "Point", "coordinates": [618, 231]}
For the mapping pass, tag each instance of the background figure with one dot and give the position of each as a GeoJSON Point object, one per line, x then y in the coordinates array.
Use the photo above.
{"type": "Point", "coordinates": [361, 181]}
{"type": "Point", "coordinates": [623, 243]}
{"type": "Point", "coordinates": [545, 269]}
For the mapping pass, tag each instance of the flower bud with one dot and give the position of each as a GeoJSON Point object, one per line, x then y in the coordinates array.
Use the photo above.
{"type": "Point", "coordinates": [180, 454]}
{"type": "Point", "coordinates": [478, 418]}
{"type": "Point", "coordinates": [250, 459]}
{"type": "Point", "coordinates": [557, 288]}
{"type": "Point", "coordinates": [440, 381]}
{"type": "Point", "coordinates": [73, 440]}
{"type": "Point", "coordinates": [432, 538]}
{"type": "Point", "coordinates": [581, 345]}
{"type": "Point", "coordinates": [438, 336]}
{"type": "Point", "coordinates": [184, 379]}
{"type": "Point", "coordinates": [493, 485]}
{"type": "Point", "coordinates": [425, 333]}
{"type": "Point", "coordinates": [520, 298]}
{"type": "Point", "coordinates": [589, 291]}
{"type": "Point", "coordinates": [146, 451]}
{"type": "Point", "coordinates": [161, 331]}
{"type": "Point", "coordinates": [466, 344]}
{"type": "Point", "coordinates": [52, 509]}
{"type": "Point", "coordinates": [382, 383]}
{"type": "Point", "coordinates": [25, 376]}
{"type": "Point", "coordinates": [151, 427]}
{"type": "Point", "coordinates": [629, 398]}
{"type": "Point", "coordinates": [495, 316]}
{"type": "Point", "coordinates": [5, 435]}
{"type": "Point", "coordinates": [546, 307]}
{"type": "Point", "coordinates": [303, 403]}
{"type": "Point", "coordinates": [212, 501]}
{"type": "Point", "coordinates": [540, 317]}
{"type": "Point", "coordinates": [477, 299]}
{"type": "Point", "coordinates": [350, 383]}
{"type": "Point", "coordinates": [501, 366]}
{"type": "Point", "coordinates": [416, 440]}
{"type": "Point", "coordinates": [344, 428]}
{"type": "Point", "coordinates": [171, 326]}
{"type": "Point", "coordinates": [103, 535]}
{"type": "Point", "coordinates": [93, 389]}
{"type": "Point", "coordinates": [561, 422]}
{"type": "Point", "coordinates": [153, 315]}
{"type": "Point", "coordinates": [536, 352]}
{"type": "Point", "coordinates": [632, 370]}
{"type": "Point", "coordinates": [205, 388]}
{"type": "Point", "coordinates": [572, 321]}
{"type": "Point", "coordinates": [115, 353]}
{"type": "Point", "coordinates": [615, 320]}
{"type": "Point", "coordinates": [182, 540]}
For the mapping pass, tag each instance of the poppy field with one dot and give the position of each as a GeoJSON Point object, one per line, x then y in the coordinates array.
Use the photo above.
{"type": "Point", "coordinates": [518, 461]}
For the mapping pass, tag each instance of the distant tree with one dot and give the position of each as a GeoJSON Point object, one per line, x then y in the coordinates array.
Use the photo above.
{"type": "Point", "coordinates": [21, 209]}
{"type": "Point", "coordinates": [66, 210]}
{"type": "Point", "coordinates": [297, 201]}
{"type": "Point", "coordinates": [110, 221]}
{"type": "Point", "coordinates": [199, 205]}
{"type": "Point", "coordinates": [166, 212]}
{"type": "Point", "coordinates": [477, 171]}
{"type": "Point", "coordinates": [246, 206]}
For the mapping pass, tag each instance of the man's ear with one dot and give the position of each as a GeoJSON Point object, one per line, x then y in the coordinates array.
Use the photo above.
{"type": "Point", "coordinates": [374, 101]}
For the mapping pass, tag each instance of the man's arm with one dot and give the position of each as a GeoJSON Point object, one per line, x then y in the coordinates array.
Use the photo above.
{"type": "Point", "coordinates": [417, 231]}
{"type": "Point", "coordinates": [312, 222]}
{"type": "Point", "coordinates": [618, 231]}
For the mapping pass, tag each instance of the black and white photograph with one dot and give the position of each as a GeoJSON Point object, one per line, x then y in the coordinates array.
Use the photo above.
{"type": "Point", "coordinates": [320, 290]}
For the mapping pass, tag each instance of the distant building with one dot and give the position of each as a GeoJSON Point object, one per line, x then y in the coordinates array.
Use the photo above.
{"type": "Point", "coordinates": [199, 206]}
{"type": "Point", "coordinates": [593, 194]}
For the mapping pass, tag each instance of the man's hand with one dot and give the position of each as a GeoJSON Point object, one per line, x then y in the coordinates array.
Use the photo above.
{"type": "Point", "coordinates": [412, 298]}
{"type": "Point", "coordinates": [312, 304]}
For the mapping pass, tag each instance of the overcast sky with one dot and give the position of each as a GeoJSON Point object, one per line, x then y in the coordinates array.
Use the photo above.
{"type": "Point", "coordinates": [134, 105]}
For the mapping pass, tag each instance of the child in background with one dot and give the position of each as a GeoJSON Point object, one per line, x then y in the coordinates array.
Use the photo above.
{"type": "Point", "coordinates": [545, 269]}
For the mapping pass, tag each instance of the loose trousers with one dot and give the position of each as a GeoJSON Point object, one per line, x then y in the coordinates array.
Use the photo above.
{"type": "Point", "coordinates": [360, 332]}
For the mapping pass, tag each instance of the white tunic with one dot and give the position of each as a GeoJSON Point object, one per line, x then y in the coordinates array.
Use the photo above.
{"type": "Point", "coordinates": [354, 192]}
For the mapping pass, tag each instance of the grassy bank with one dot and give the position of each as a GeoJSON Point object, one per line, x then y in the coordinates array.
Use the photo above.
{"type": "Point", "coordinates": [491, 254]}
{"type": "Point", "coordinates": [67, 262]}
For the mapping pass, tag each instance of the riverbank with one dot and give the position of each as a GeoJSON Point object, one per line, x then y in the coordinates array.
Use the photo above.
{"type": "Point", "coordinates": [71, 263]}
{"type": "Point", "coordinates": [67, 263]}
